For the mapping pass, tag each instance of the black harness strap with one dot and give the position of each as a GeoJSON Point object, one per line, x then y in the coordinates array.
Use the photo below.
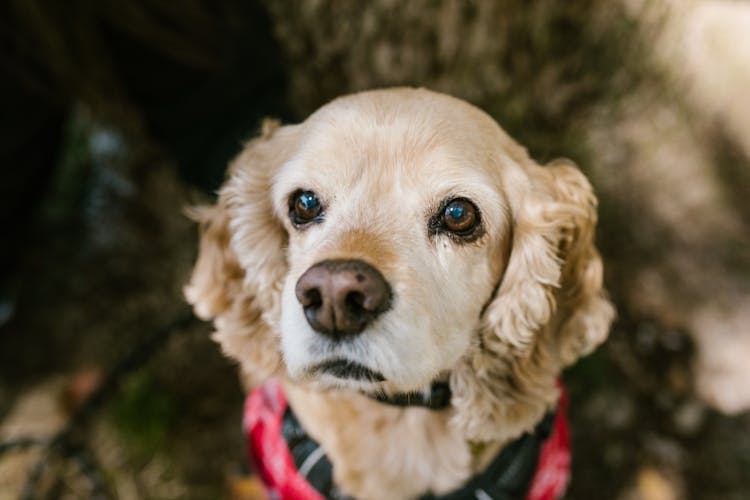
{"type": "Point", "coordinates": [508, 477]}
{"type": "Point", "coordinates": [309, 458]}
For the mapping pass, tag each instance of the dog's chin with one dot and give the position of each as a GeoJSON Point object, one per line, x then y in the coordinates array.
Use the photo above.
{"type": "Point", "coordinates": [342, 373]}
{"type": "Point", "coordinates": [346, 369]}
{"type": "Point", "coordinates": [328, 381]}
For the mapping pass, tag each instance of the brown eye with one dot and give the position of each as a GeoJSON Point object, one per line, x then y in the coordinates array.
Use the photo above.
{"type": "Point", "coordinates": [304, 207]}
{"type": "Point", "coordinates": [460, 217]}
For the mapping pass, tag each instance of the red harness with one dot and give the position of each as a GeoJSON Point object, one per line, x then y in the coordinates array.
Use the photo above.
{"type": "Point", "coordinates": [270, 455]}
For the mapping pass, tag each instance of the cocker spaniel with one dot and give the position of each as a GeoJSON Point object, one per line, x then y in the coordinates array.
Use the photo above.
{"type": "Point", "coordinates": [397, 241]}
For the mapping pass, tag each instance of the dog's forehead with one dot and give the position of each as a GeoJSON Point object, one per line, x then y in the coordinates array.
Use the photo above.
{"type": "Point", "coordinates": [402, 122]}
{"type": "Point", "coordinates": [411, 141]}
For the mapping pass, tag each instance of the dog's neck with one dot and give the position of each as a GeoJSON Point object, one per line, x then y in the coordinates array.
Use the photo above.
{"type": "Point", "coordinates": [417, 447]}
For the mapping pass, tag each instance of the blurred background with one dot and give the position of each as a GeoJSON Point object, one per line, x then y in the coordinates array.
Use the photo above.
{"type": "Point", "coordinates": [118, 114]}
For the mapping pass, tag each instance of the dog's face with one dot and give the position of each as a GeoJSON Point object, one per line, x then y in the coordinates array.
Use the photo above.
{"type": "Point", "coordinates": [395, 233]}
{"type": "Point", "coordinates": [396, 237]}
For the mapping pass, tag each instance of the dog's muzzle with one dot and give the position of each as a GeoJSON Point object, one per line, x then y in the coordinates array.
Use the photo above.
{"type": "Point", "coordinates": [341, 297]}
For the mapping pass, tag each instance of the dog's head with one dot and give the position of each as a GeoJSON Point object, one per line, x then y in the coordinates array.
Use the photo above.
{"type": "Point", "coordinates": [399, 236]}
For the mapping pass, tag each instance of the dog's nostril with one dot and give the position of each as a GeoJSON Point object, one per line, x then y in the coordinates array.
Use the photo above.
{"type": "Point", "coordinates": [311, 298]}
{"type": "Point", "coordinates": [355, 302]}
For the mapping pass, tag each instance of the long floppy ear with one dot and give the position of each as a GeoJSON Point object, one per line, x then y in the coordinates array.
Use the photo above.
{"type": "Point", "coordinates": [241, 262]}
{"type": "Point", "coordinates": [584, 308]}
{"type": "Point", "coordinates": [549, 309]}
{"type": "Point", "coordinates": [554, 269]}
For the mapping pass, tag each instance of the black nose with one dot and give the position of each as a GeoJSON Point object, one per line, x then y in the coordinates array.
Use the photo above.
{"type": "Point", "coordinates": [340, 297]}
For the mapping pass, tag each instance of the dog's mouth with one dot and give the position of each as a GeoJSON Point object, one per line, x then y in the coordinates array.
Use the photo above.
{"type": "Point", "coordinates": [345, 369]}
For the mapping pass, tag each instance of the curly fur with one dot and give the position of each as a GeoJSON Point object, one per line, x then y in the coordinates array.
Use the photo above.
{"type": "Point", "coordinates": [502, 316]}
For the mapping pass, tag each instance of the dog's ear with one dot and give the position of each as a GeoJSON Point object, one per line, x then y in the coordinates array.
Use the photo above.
{"type": "Point", "coordinates": [241, 263]}
{"type": "Point", "coordinates": [217, 276]}
{"type": "Point", "coordinates": [549, 308]}
{"type": "Point", "coordinates": [554, 269]}
{"type": "Point", "coordinates": [584, 309]}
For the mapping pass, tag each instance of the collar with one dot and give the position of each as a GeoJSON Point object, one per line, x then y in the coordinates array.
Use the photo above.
{"type": "Point", "coordinates": [437, 397]}
{"type": "Point", "coordinates": [293, 466]}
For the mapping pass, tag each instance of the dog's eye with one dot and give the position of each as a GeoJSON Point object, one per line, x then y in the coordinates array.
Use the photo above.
{"type": "Point", "coordinates": [457, 218]}
{"type": "Point", "coordinates": [460, 217]}
{"type": "Point", "coordinates": [304, 207]}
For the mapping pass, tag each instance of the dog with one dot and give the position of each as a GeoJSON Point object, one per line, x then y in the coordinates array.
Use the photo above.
{"type": "Point", "coordinates": [413, 281]}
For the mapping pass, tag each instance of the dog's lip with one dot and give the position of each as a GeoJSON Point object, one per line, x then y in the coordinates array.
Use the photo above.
{"type": "Point", "coordinates": [347, 369]}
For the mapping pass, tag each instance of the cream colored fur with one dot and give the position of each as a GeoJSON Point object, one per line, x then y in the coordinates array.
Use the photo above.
{"type": "Point", "coordinates": [500, 316]}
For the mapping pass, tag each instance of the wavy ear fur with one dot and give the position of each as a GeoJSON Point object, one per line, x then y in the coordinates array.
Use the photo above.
{"type": "Point", "coordinates": [549, 310]}
{"type": "Point", "coordinates": [241, 262]}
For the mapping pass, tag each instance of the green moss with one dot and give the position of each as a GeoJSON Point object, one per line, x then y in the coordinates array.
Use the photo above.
{"type": "Point", "coordinates": [143, 414]}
